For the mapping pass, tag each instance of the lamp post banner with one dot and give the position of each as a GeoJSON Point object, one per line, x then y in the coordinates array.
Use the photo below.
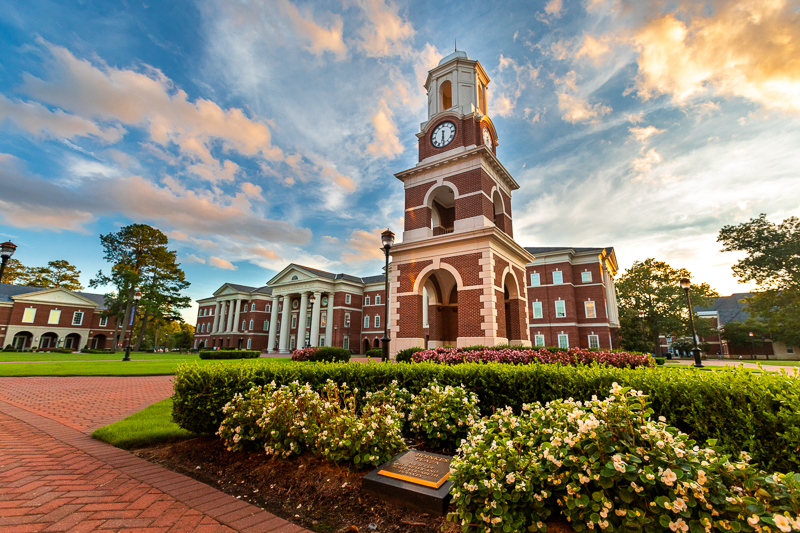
{"type": "Point", "coordinates": [133, 314]}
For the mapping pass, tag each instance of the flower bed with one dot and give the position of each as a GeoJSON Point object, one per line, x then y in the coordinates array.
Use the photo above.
{"type": "Point", "coordinates": [229, 354]}
{"type": "Point", "coordinates": [321, 353]}
{"type": "Point", "coordinates": [573, 356]}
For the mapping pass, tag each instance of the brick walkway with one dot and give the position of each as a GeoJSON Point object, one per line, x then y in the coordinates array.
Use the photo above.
{"type": "Point", "coordinates": [54, 477]}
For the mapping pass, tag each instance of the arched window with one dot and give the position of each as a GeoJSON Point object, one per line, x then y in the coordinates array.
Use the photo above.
{"type": "Point", "coordinates": [253, 307]}
{"type": "Point", "coordinates": [251, 325]}
{"type": "Point", "coordinates": [366, 321]}
{"type": "Point", "coordinates": [366, 300]}
{"type": "Point", "coordinates": [378, 300]}
{"type": "Point", "coordinates": [446, 96]}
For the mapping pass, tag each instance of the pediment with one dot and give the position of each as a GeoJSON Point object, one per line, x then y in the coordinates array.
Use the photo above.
{"type": "Point", "coordinates": [54, 296]}
{"type": "Point", "coordinates": [226, 290]}
{"type": "Point", "coordinates": [293, 274]}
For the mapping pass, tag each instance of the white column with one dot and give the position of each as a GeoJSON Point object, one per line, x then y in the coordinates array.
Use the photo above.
{"type": "Point", "coordinates": [284, 340]}
{"type": "Point", "coordinates": [217, 311]}
{"type": "Point", "coordinates": [273, 323]}
{"type": "Point", "coordinates": [222, 316]}
{"type": "Point", "coordinates": [314, 340]}
{"type": "Point", "coordinates": [229, 316]}
{"type": "Point", "coordinates": [238, 303]}
{"type": "Point", "coordinates": [301, 326]}
{"type": "Point", "coordinates": [329, 321]}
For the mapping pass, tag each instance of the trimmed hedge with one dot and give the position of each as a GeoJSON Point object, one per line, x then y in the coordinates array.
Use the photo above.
{"type": "Point", "coordinates": [405, 356]}
{"type": "Point", "coordinates": [95, 350]}
{"type": "Point", "coordinates": [660, 360]}
{"type": "Point", "coordinates": [229, 354]}
{"type": "Point", "coordinates": [375, 352]}
{"type": "Point", "coordinates": [742, 410]}
{"type": "Point", "coordinates": [329, 354]}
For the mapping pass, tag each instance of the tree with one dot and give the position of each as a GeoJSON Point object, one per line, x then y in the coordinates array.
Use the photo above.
{"type": "Point", "coordinates": [185, 337]}
{"type": "Point", "coordinates": [773, 263]}
{"type": "Point", "coordinates": [738, 333]}
{"type": "Point", "coordinates": [14, 273]}
{"type": "Point", "coordinates": [653, 287]}
{"type": "Point", "coordinates": [140, 259]}
{"type": "Point", "coordinates": [59, 273]}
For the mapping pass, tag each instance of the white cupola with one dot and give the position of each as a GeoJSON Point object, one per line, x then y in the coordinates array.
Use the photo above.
{"type": "Point", "coordinates": [457, 84]}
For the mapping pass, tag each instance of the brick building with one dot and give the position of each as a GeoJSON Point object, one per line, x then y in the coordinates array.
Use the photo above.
{"type": "Point", "coordinates": [458, 278]}
{"type": "Point", "coordinates": [32, 317]}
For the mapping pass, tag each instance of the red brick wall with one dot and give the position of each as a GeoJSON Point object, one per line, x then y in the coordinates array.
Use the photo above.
{"type": "Point", "coordinates": [408, 274]}
{"type": "Point", "coordinates": [466, 265]}
{"type": "Point", "coordinates": [447, 215]}
{"type": "Point", "coordinates": [410, 323]}
{"type": "Point", "coordinates": [467, 133]}
{"type": "Point", "coordinates": [469, 313]}
{"type": "Point", "coordinates": [472, 206]}
{"type": "Point", "coordinates": [467, 182]}
{"type": "Point", "coordinates": [500, 306]}
{"type": "Point", "coordinates": [514, 320]}
{"type": "Point", "coordinates": [449, 318]}
{"type": "Point", "coordinates": [418, 218]}
{"type": "Point", "coordinates": [499, 266]}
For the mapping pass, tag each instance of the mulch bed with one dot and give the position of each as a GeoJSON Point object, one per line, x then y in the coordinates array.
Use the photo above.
{"type": "Point", "coordinates": [306, 490]}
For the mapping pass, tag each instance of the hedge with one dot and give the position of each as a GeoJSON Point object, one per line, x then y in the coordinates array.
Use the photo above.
{"type": "Point", "coordinates": [742, 410]}
{"type": "Point", "coordinates": [229, 354]}
{"type": "Point", "coordinates": [330, 354]}
{"type": "Point", "coordinates": [375, 352]}
{"type": "Point", "coordinates": [95, 350]}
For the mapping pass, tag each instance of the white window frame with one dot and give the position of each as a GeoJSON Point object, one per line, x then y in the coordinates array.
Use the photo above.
{"type": "Point", "coordinates": [538, 341]}
{"type": "Point", "coordinates": [586, 277]}
{"type": "Point", "coordinates": [536, 309]}
{"type": "Point", "coordinates": [294, 322]}
{"type": "Point", "coordinates": [249, 343]}
{"type": "Point", "coordinates": [565, 338]}
{"type": "Point", "coordinates": [377, 299]}
{"type": "Point", "coordinates": [586, 306]}
{"type": "Point", "coordinates": [25, 314]}
{"type": "Point", "coordinates": [251, 324]}
{"type": "Point", "coordinates": [57, 313]}
{"type": "Point", "coordinates": [267, 308]}
{"type": "Point", "coordinates": [596, 339]}
{"type": "Point", "coordinates": [74, 316]}
{"type": "Point", "coordinates": [103, 321]}
{"type": "Point", "coordinates": [266, 325]}
{"type": "Point", "coordinates": [252, 306]}
{"type": "Point", "coordinates": [348, 298]}
{"type": "Point", "coordinates": [366, 321]}
{"type": "Point", "coordinates": [366, 300]}
{"type": "Point", "coordinates": [426, 301]}
{"type": "Point", "coordinates": [346, 342]}
{"type": "Point", "coordinates": [347, 320]}
{"type": "Point", "coordinates": [560, 277]}
{"type": "Point", "coordinates": [536, 279]}
{"type": "Point", "coordinates": [563, 311]}
{"type": "Point", "coordinates": [377, 321]}
{"type": "Point", "coordinates": [244, 325]}
{"type": "Point", "coordinates": [308, 319]}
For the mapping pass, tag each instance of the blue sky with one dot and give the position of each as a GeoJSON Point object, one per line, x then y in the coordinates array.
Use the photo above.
{"type": "Point", "coordinates": [261, 133]}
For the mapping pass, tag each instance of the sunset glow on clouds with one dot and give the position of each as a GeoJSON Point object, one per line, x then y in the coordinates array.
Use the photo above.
{"type": "Point", "coordinates": [264, 132]}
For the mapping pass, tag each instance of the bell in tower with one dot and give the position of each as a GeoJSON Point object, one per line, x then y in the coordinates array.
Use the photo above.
{"type": "Point", "coordinates": [458, 277]}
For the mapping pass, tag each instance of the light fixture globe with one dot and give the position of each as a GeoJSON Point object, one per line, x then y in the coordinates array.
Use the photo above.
{"type": "Point", "coordinates": [387, 239]}
{"type": "Point", "coordinates": [686, 284]}
{"type": "Point", "coordinates": [7, 249]}
{"type": "Point", "coordinates": [137, 295]}
{"type": "Point", "coordinates": [312, 299]}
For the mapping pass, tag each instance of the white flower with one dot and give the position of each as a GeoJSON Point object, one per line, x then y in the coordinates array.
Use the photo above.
{"type": "Point", "coordinates": [510, 478]}
{"type": "Point", "coordinates": [679, 524]}
{"type": "Point", "coordinates": [753, 520]}
{"type": "Point", "coordinates": [669, 477]}
{"type": "Point", "coordinates": [679, 505]}
{"type": "Point", "coordinates": [783, 523]}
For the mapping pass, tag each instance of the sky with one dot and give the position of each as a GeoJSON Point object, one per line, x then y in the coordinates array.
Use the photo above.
{"type": "Point", "coordinates": [260, 133]}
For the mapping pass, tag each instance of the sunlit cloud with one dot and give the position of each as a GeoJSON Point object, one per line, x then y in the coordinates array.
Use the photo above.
{"type": "Point", "coordinates": [364, 245]}
{"type": "Point", "coordinates": [384, 32]}
{"type": "Point", "coordinates": [386, 143]}
{"type": "Point", "coordinates": [221, 263]}
{"type": "Point", "coordinates": [642, 134]}
{"type": "Point", "coordinates": [575, 109]}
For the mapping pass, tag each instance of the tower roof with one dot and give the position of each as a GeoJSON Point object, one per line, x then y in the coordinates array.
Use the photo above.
{"type": "Point", "coordinates": [457, 53]}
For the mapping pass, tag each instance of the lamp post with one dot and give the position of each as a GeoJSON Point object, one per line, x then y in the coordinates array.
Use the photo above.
{"type": "Point", "coordinates": [6, 251]}
{"type": "Point", "coordinates": [686, 285]}
{"type": "Point", "coordinates": [752, 346]}
{"type": "Point", "coordinates": [641, 318]}
{"type": "Point", "coordinates": [136, 297]}
{"type": "Point", "coordinates": [387, 239]}
{"type": "Point", "coordinates": [311, 300]}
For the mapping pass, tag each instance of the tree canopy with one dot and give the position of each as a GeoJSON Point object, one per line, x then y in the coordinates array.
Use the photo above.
{"type": "Point", "coordinates": [772, 261]}
{"type": "Point", "coordinates": [58, 273]}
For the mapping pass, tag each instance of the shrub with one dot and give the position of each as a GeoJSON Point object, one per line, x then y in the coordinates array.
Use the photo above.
{"type": "Point", "coordinates": [96, 350]}
{"type": "Point", "coordinates": [9, 348]}
{"type": "Point", "coordinates": [329, 354]}
{"type": "Point", "coordinates": [743, 410]}
{"type": "Point", "coordinates": [517, 356]}
{"type": "Point", "coordinates": [230, 354]}
{"type": "Point", "coordinates": [441, 415]}
{"type": "Point", "coordinates": [660, 360]}
{"type": "Point", "coordinates": [404, 356]}
{"type": "Point", "coordinates": [303, 354]}
{"type": "Point", "coordinates": [609, 464]}
{"type": "Point", "coordinates": [375, 352]}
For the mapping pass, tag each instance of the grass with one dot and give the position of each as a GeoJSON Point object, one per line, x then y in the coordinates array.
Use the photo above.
{"type": "Point", "coordinates": [153, 425]}
{"type": "Point", "coordinates": [108, 368]}
{"type": "Point", "coordinates": [31, 356]}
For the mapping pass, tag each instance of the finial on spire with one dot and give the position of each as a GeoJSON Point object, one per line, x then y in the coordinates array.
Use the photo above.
{"type": "Point", "coordinates": [456, 46]}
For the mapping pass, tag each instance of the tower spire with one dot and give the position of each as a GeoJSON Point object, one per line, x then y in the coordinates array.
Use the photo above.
{"type": "Point", "coordinates": [456, 46]}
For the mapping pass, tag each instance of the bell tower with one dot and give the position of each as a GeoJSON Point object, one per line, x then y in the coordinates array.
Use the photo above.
{"type": "Point", "coordinates": [458, 276]}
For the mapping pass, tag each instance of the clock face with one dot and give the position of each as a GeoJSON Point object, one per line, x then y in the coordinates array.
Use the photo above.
{"type": "Point", "coordinates": [443, 134]}
{"type": "Point", "coordinates": [487, 137]}
{"type": "Point", "coordinates": [324, 300]}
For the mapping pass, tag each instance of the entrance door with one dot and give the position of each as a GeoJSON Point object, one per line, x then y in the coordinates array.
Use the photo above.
{"type": "Point", "coordinates": [322, 340]}
{"type": "Point", "coordinates": [292, 342]}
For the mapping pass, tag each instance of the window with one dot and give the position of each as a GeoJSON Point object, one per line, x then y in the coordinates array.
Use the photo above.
{"type": "Point", "coordinates": [586, 277]}
{"type": "Point", "coordinates": [323, 321]}
{"type": "Point", "coordinates": [103, 321]}
{"type": "Point", "coordinates": [294, 321]}
{"type": "Point", "coordinates": [561, 309]}
{"type": "Point", "coordinates": [537, 309]}
{"type": "Point", "coordinates": [252, 308]}
{"type": "Point", "coordinates": [378, 300]}
{"type": "Point", "coordinates": [347, 320]}
{"type": "Point", "coordinates": [563, 341]}
{"type": "Point", "coordinates": [594, 341]}
{"type": "Point", "coordinates": [558, 277]}
{"type": "Point", "coordinates": [251, 326]}
{"type": "Point", "coordinates": [266, 325]}
{"type": "Point", "coordinates": [366, 321]}
{"type": "Point", "coordinates": [347, 298]}
{"type": "Point", "coordinates": [425, 303]}
{"type": "Point", "coordinates": [789, 350]}
{"type": "Point", "coordinates": [366, 300]}
{"type": "Point", "coordinates": [308, 319]}
{"type": "Point", "coordinates": [268, 308]}
{"type": "Point", "coordinates": [535, 280]}
{"type": "Point", "coordinates": [538, 340]}
{"type": "Point", "coordinates": [346, 343]}
{"type": "Point", "coordinates": [55, 316]}
{"type": "Point", "coordinates": [77, 318]}
{"type": "Point", "coordinates": [249, 343]}
{"type": "Point", "coordinates": [590, 311]}
{"type": "Point", "coordinates": [377, 321]}
{"type": "Point", "coordinates": [30, 314]}
{"type": "Point", "coordinates": [202, 328]}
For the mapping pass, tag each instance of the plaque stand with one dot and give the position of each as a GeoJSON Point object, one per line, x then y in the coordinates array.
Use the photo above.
{"type": "Point", "coordinates": [413, 479]}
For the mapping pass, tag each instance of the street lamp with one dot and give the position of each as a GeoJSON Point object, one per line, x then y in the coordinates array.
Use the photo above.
{"type": "Point", "coordinates": [387, 239]}
{"type": "Point", "coordinates": [136, 297]}
{"type": "Point", "coordinates": [752, 346]}
{"type": "Point", "coordinates": [6, 251]}
{"type": "Point", "coordinates": [641, 318]}
{"type": "Point", "coordinates": [311, 300]}
{"type": "Point", "coordinates": [686, 285]}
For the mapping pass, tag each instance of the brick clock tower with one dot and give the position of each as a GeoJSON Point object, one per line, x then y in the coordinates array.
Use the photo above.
{"type": "Point", "coordinates": [458, 277]}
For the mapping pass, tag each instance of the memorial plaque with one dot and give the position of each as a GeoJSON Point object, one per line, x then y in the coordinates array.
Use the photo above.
{"type": "Point", "coordinates": [413, 479]}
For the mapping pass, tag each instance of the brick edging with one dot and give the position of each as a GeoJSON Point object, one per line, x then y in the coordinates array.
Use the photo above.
{"type": "Point", "coordinates": [226, 509]}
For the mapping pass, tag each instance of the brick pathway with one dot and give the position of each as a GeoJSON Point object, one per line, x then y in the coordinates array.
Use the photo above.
{"type": "Point", "coordinates": [54, 477]}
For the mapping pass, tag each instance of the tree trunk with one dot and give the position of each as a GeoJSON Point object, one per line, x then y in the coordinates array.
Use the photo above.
{"type": "Point", "coordinates": [125, 318]}
{"type": "Point", "coordinates": [155, 338]}
{"type": "Point", "coordinates": [142, 330]}
{"type": "Point", "coordinates": [656, 344]}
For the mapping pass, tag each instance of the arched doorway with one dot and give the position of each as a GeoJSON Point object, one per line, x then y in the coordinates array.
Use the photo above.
{"type": "Point", "coordinates": [439, 317]}
{"type": "Point", "coordinates": [99, 342]}
{"type": "Point", "coordinates": [72, 341]}
{"type": "Point", "coordinates": [377, 343]}
{"type": "Point", "coordinates": [366, 345]}
{"type": "Point", "coordinates": [442, 204]}
{"type": "Point", "coordinates": [22, 341]}
{"type": "Point", "coordinates": [512, 311]}
{"type": "Point", "coordinates": [48, 340]}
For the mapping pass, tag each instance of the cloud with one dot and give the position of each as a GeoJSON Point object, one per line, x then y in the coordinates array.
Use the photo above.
{"type": "Point", "coordinates": [743, 48]}
{"type": "Point", "coordinates": [553, 8]}
{"type": "Point", "coordinates": [221, 263]}
{"type": "Point", "coordinates": [593, 48]}
{"type": "Point", "coordinates": [386, 143]}
{"type": "Point", "coordinates": [319, 38]}
{"type": "Point", "coordinates": [510, 88]}
{"type": "Point", "coordinates": [645, 164]}
{"type": "Point", "coordinates": [365, 245]}
{"type": "Point", "coordinates": [191, 258]}
{"type": "Point", "coordinates": [329, 239]}
{"type": "Point", "coordinates": [642, 134]}
{"type": "Point", "coordinates": [252, 191]}
{"type": "Point", "coordinates": [575, 109]}
{"type": "Point", "coordinates": [384, 32]}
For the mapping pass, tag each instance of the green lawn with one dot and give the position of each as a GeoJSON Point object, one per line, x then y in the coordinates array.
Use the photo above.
{"type": "Point", "coordinates": [31, 356]}
{"type": "Point", "coordinates": [109, 368]}
{"type": "Point", "coordinates": [153, 425]}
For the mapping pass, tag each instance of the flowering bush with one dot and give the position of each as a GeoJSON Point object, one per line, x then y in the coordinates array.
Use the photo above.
{"type": "Point", "coordinates": [321, 353]}
{"type": "Point", "coordinates": [608, 465]}
{"type": "Point", "coordinates": [239, 428]}
{"type": "Point", "coordinates": [521, 356]}
{"type": "Point", "coordinates": [304, 354]}
{"type": "Point", "coordinates": [441, 415]}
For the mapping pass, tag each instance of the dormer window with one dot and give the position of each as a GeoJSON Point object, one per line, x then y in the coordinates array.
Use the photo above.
{"type": "Point", "coordinates": [446, 96]}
